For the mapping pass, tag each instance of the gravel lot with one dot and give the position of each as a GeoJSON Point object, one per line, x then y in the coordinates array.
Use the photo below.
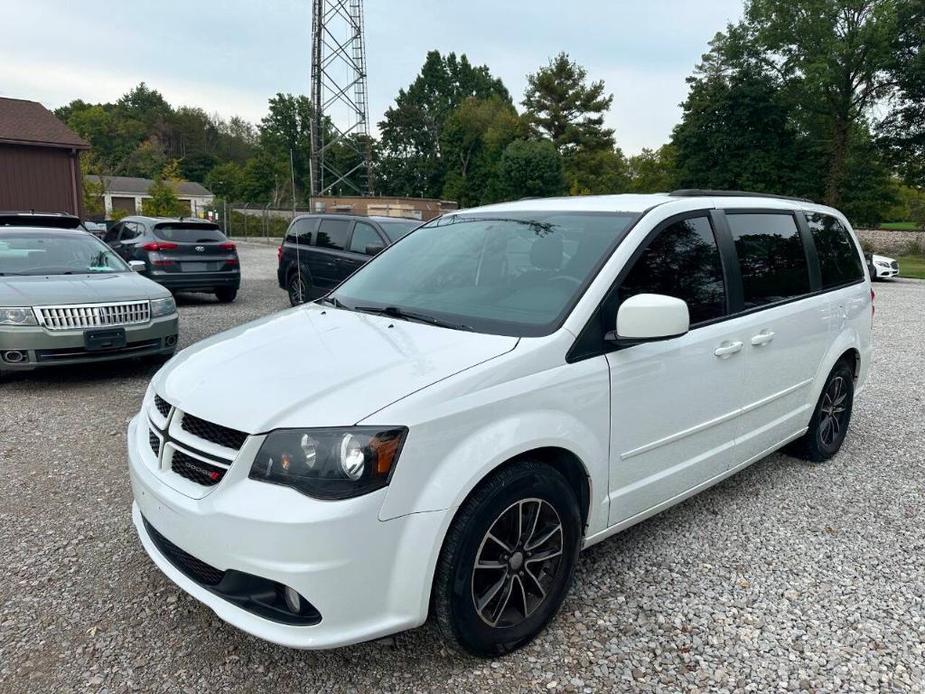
{"type": "Point", "coordinates": [787, 576]}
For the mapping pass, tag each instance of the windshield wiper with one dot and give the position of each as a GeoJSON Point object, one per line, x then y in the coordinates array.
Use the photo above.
{"type": "Point", "coordinates": [395, 312]}
{"type": "Point", "coordinates": [336, 303]}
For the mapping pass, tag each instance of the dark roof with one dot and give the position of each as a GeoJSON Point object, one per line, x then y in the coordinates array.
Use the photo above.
{"type": "Point", "coordinates": [30, 123]}
{"type": "Point", "coordinates": [140, 186]}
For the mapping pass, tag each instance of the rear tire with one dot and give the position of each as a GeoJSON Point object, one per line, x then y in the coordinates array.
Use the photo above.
{"type": "Point", "coordinates": [523, 528]}
{"type": "Point", "coordinates": [829, 424]}
{"type": "Point", "coordinates": [226, 294]}
{"type": "Point", "coordinates": [297, 287]}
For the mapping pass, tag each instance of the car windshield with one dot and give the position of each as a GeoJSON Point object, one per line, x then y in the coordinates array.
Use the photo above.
{"type": "Point", "coordinates": [75, 253]}
{"type": "Point", "coordinates": [398, 228]}
{"type": "Point", "coordinates": [503, 273]}
{"type": "Point", "coordinates": [186, 232]}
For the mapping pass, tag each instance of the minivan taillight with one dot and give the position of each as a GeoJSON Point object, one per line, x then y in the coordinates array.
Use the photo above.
{"type": "Point", "coordinates": [873, 309]}
{"type": "Point", "coordinates": [227, 246]}
{"type": "Point", "coordinates": [279, 254]}
{"type": "Point", "coordinates": [156, 246]}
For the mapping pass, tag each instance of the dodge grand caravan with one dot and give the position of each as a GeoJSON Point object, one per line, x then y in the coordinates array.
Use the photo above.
{"type": "Point", "coordinates": [443, 433]}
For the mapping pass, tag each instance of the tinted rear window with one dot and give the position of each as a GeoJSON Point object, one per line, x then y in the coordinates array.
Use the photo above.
{"type": "Point", "coordinates": [838, 256]}
{"type": "Point", "coordinates": [183, 232]}
{"type": "Point", "coordinates": [301, 231]}
{"type": "Point", "coordinates": [332, 233]}
{"type": "Point", "coordinates": [771, 257]}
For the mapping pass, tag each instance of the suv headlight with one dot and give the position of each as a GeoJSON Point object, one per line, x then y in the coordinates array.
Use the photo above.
{"type": "Point", "coordinates": [881, 263]}
{"type": "Point", "coordinates": [329, 463]}
{"type": "Point", "coordinates": [17, 315]}
{"type": "Point", "coordinates": [163, 307]}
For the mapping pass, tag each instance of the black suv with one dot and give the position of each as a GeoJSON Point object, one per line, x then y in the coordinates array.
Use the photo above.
{"type": "Point", "coordinates": [329, 247]}
{"type": "Point", "coordinates": [187, 255]}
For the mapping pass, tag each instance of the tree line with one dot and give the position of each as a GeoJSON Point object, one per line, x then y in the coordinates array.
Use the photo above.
{"type": "Point", "coordinates": [822, 99]}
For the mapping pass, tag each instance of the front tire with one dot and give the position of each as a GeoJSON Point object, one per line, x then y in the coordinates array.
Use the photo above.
{"type": "Point", "coordinates": [829, 424]}
{"type": "Point", "coordinates": [508, 560]}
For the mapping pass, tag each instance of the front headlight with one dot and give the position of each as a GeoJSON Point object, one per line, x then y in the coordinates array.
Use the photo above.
{"type": "Point", "coordinates": [881, 263]}
{"type": "Point", "coordinates": [17, 315]}
{"type": "Point", "coordinates": [163, 307]}
{"type": "Point", "coordinates": [329, 463]}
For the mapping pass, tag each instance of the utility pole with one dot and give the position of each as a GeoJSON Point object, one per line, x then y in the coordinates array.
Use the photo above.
{"type": "Point", "coordinates": [340, 116]}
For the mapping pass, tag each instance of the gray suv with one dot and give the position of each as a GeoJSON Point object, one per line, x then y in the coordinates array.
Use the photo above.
{"type": "Point", "coordinates": [66, 298]}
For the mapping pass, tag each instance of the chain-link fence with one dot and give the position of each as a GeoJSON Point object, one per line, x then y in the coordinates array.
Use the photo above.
{"type": "Point", "coordinates": [255, 222]}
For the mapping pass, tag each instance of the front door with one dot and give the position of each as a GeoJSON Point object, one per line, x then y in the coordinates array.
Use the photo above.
{"type": "Point", "coordinates": [675, 403]}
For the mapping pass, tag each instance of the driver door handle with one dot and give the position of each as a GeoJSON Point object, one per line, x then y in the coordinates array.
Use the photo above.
{"type": "Point", "coordinates": [763, 338]}
{"type": "Point", "coordinates": [728, 349]}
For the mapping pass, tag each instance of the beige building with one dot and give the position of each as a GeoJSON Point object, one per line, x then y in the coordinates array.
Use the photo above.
{"type": "Point", "coordinates": [126, 193]}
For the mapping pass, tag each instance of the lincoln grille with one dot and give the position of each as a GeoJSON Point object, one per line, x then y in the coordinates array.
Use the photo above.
{"type": "Point", "coordinates": [189, 565]}
{"type": "Point", "coordinates": [223, 436]}
{"type": "Point", "coordinates": [196, 470]}
{"type": "Point", "coordinates": [162, 405]}
{"type": "Point", "coordinates": [76, 317]}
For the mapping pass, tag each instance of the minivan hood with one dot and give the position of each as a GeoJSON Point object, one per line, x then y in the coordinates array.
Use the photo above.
{"type": "Point", "coordinates": [316, 366]}
{"type": "Point", "coordinates": [49, 290]}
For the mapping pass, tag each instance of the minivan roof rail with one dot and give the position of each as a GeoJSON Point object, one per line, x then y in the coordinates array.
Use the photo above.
{"type": "Point", "coordinates": [702, 193]}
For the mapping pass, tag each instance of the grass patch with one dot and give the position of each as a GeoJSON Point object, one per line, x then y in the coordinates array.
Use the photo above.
{"type": "Point", "coordinates": [912, 266]}
{"type": "Point", "coordinates": [900, 226]}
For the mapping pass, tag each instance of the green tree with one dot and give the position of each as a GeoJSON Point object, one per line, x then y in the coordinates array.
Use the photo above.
{"type": "Point", "coordinates": [653, 171]}
{"type": "Point", "coordinates": [902, 131]}
{"type": "Point", "coordinates": [473, 140]}
{"type": "Point", "coordinates": [529, 168]}
{"type": "Point", "coordinates": [162, 200]}
{"type": "Point", "coordinates": [226, 181]}
{"type": "Point", "coordinates": [411, 161]}
{"type": "Point", "coordinates": [562, 106]}
{"type": "Point", "coordinates": [832, 56]}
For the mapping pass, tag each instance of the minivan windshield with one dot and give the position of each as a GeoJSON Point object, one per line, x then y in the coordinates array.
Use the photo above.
{"type": "Point", "coordinates": [505, 273]}
{"type": "Point", "coordinates": [69, 253]}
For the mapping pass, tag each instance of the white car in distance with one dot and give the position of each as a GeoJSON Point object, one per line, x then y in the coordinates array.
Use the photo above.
{"type": "Point", "coordinates": [505, 386]}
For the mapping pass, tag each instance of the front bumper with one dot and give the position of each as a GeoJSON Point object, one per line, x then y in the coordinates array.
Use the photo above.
{"type": "Point", "coordinates": [45, 347]}
{"type": "Point", "coordinates": [885, 272]}
{"type": "Point", "coordinates": [196, 281]}
{"type": "Point", "coordinates": [367, 578]}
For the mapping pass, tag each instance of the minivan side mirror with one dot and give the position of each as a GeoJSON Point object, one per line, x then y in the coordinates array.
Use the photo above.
{"type": "Point", "coordinates": [650, 317]}
{"type": "Point", "coordinates": [137, 265]}
{"type": "Point", "coordinates": [375, 249]}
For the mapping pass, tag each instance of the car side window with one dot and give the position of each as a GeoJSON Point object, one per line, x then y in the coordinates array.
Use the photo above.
{"type": "Point", "coordinates": [838, 256]}
{"type": "Point", "coordinates": [332, 233]}
{"type": "Point", "coordinates": [771, 257]}
{"type": "Point", "coordinates": [364, 236]}
{"type": "Point", "coordinates": [683, 261]}
{"type": "Point", "coordinates": [113, 233]}
{"type": "Point", "coordinates": [301, 231]}
{"type": "Point", "coordinates": [130, 231]}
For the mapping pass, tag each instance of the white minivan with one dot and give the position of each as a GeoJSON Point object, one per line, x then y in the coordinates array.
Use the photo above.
{"type": "Point", "coordinates": [444, 432]}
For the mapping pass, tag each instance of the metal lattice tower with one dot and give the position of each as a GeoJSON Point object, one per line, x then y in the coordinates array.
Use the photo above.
{"type": "Point", "coordinates": [341, 113]}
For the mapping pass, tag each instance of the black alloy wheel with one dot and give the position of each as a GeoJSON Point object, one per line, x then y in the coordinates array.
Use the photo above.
{"type": "Point", "coordinates": [508, 559]}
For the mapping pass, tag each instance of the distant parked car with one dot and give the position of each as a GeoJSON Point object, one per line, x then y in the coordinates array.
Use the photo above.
{"type": "Point", "coordinates": [189, 255]}
{"type": "Point", "coordinates": [321, 250]}
{"type": "Point", "coordinates": [881, 267]}
{"type": "Point", "coordinates": [65, 298]}
{"type": "Point", "coordinates": [98, 229]}
{"type": "Point", "coordinates": [51, 220]}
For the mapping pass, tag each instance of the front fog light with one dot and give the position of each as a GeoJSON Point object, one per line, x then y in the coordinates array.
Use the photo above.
{"type": "Point", "coordinates": [293, 600]}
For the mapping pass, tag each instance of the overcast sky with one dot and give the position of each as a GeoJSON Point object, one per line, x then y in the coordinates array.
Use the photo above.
{"type": "Point", "coordinates": [230, 56]}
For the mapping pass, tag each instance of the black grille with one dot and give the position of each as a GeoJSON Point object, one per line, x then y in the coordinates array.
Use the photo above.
{"type": "Point", "coordinates": [894, 265]}
{"type": "Point", "coordinates": [63, 353]}
{"type": "Point", "coordinates": [189, 565]}
{"type": "Point", "coordinates": [155, 442]}
{"type": "Point", "coordinates": [223, 436]}
{"type": "Point", "coordinates": [195, 470]}
{"type": "Point", "coordinates": [162, 405]}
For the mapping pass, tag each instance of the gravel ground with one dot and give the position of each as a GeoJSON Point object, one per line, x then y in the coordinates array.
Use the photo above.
{"type": "Point", "coordinates": [787, 576]}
